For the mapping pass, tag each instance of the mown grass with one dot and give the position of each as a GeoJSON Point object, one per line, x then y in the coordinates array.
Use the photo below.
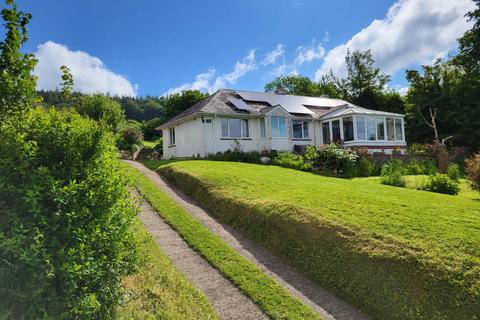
{"type": "Point", "coordinates": [158, 290]}
{"type": "Point", "coordinates": [273, 299]}
{"type": "Point", "coordinates": [417, 181]}
{"type": "Point", "coordinates": [396, 253]}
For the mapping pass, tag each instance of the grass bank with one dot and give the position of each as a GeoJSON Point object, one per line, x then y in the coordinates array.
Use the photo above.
{"type": "Point", "coordinates": [158, 290]}
{"type": "Point", "coordinates": [395, 253]}
{"type": "Point", "coordinates": [272, 298]}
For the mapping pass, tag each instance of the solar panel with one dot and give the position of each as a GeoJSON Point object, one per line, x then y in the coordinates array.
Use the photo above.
{"type": "Point", "coordinates": [253, 96]}
{"type": "Point", "coordinates": [240, 104]}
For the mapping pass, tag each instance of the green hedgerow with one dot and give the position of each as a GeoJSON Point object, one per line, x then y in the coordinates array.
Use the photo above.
{"type": "Point", "coordinates": [64, 239]}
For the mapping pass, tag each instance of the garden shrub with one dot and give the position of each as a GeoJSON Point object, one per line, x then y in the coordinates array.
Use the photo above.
{"type": "Point", "coordinates": [365, 167]}
{"type": "Point", "coordinates": [130, 138]}
{"type": "Point", "coordinates": [441, 183]}
{"type": "Point", "coordinates": [291, 160]}
{"type": "Point", "coordinates": [393, 178]}
{"type": "Point", "coordinates": [334, 158]}
{"type": "Point", "coordinates": [64, 238]}
{"type": "Point", "coordinates": [235, 156]}
{"type": "Point", "coordinates": [472, 169]}
{"type": "Point", "coordinates": [102, 109]}
{"type": "Point", "coordinates": [453, 172]}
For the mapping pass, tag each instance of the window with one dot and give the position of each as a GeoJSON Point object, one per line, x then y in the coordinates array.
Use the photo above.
{"type": "Point", "coordinates": [336, 137]}
{"type": "Point", "coordinates": [235, 128]}
{"type": "Point", "coordinates": [326, 132]}
{"type": "Point", "coordinates": [300, 129]}
{"type": "Point", "coordinates": [279, 127]}
{"type": "Point", "coordinates": [390, 129]}
{"type": "Point", "coordinates": [380, 128]}
{"type": "Point", "coordinates": [398, 129]}
{"type": "Point", "coordinates": [371, 135]}
{"type": "Point", "coordinates": [262, 127]}
{"type": "Point", "coordinates": [171, 132]}
{"type": "Point", "coordinates": [347, 128]}
{"type": "Point", "coordinates": [360, 120]}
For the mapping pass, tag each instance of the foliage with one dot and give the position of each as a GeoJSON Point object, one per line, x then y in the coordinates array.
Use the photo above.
{"type": "Point", "coordinates": [473, 171]}
{"type": "Point", "coordinates": [67, 83]}
{"type": "Point", "coordinates": [149, 127]}
{"type": "Point", "coordinates": [64, 240]}
{"type": "Point", "coordinates": [235, 155]}
{"type": "Point", "coordinates": [335, 158]}
{"type": "Point", "coordinates": [303, 86]}
{"type": "Point", "coordinates": [392, 178]}
{"type": "Point", "coordinates": [365, 167]}
{"type": "Point", "coordinates": [291, 160]}
{"type": "Point", "coordinates": [178, 102]}
{"type": "Point", "coordinates": [130, 138]}
{"type": "Point", "coordinates": [17, 84]}
{"type": "Point", "coordinates": [102, 109]}
{"type": "Point", "coordinates": [275, 301]}
{"type": "Point", "coordinates": [453, 172]}
{"type": "Point", "coordinates": [359, 239]}
{"type": "Point", "coordinates": [158, 290]}
{"type": "Point", "coordinates": [441, 183]}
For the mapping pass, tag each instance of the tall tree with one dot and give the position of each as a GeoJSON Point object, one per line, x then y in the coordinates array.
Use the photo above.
{"type": "Point", "coordinates": [178, 102]}
{"type": "Point", "coordinates": [364, 84]}
{"type": "Point", "coordinates": [17, 84]}
{"type": "Point", "coordinates": [303, 86]}
{"type": "Point", "coordinates": [67, 83]}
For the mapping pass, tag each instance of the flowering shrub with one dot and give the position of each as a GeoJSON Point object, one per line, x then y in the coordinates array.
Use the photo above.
{"type": "Point", "coordinates": [334, 158]}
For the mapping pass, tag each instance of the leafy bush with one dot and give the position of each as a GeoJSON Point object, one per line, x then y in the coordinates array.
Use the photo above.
{"type": "Point", "coordinates": [102, 109]}
{"type": "Point", "coordinates": [149, 126]}
{"type": "Point", "coordinates": [453, 172]}
{"type": "Point", "coordinates": [130, 138]}
{"type": "Point", "coordinates": [64, 239]}
{"type": "Point", "coordinates": [473, 171]}
{"type": "Point", "coordinates": [441, 183]}
{"type": "Point", "coordinates": [236, 156]}
{"type": "Point", "coordinates": [291, 160]}
{"type": "Point", "coordinates": [365, 167]}
{"type": "Point", "coordinates": [393, 178]}
{"type": "Point", "coordinates": [335, 158]}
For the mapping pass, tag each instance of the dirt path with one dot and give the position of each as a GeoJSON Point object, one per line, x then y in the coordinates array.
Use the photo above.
{"type": "Point", "coordinates": [321, 301]}
{"type": "Point", "coordinates": [227, 300]}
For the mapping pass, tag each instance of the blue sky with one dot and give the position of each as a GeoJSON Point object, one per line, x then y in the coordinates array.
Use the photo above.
{"type": "Point", "coordinates": [153, 47]}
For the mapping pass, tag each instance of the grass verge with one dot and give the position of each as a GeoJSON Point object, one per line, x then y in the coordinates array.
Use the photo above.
{"type": "Point", "coordinates": [158, 290]}
{"type": "Point", "coordinates": [272, 298]}
{"type": "Point", "coordinates": [395, 253]}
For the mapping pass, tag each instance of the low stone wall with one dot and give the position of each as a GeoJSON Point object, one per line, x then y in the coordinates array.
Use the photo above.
{"type": "Point", "coordinates": [380, 158]}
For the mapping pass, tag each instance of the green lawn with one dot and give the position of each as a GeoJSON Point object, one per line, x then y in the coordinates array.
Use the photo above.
{"type": "Point", "coordinates": [271, 297]}
{"type": "Point", "coordinates": [397, 253]}
{"type": "Point", "coordinates": [416, 181]}
{"type": "Point", "coordinates": [158, 290]}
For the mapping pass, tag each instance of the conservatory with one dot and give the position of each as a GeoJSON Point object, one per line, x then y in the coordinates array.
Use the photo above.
{"type": "Point", "coordinates": [357, 127]}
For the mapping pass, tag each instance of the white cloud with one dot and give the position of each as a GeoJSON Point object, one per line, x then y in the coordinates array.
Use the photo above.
{"type": "Point", "coordinates": [413, 32]}
{"type": "Point", "coordinates": [206, 82]}
{"type": "Point", "coordinates": [274, 55]}
{"type": "Point", "coordinates": [90, 75]}
{"type": "Point", "coordinates": [202, 83]}
{"type": "Point", "coordinates": [309, 53]}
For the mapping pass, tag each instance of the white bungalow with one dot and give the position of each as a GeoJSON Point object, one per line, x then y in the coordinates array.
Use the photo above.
{"type": "Point", "coordinates": [257, 121]}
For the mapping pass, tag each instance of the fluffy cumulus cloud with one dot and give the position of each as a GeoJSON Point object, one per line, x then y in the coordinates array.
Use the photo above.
{"type": "Point", "coordinates": [413, 32]}
{"type": "Point", "coordinates": [89, 73]}
{"type": "Point", "coordinates": [208, 82]}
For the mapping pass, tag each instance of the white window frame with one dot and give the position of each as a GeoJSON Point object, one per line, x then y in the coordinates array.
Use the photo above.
{"type": "Point", "coordinates": [272, 118]}
{"type": "Point", "coordinates": [171, 136]}
{"type": "Point", "coordinates": [244, 133]}
{"type": "Point", "coordinates": [304, 125]}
